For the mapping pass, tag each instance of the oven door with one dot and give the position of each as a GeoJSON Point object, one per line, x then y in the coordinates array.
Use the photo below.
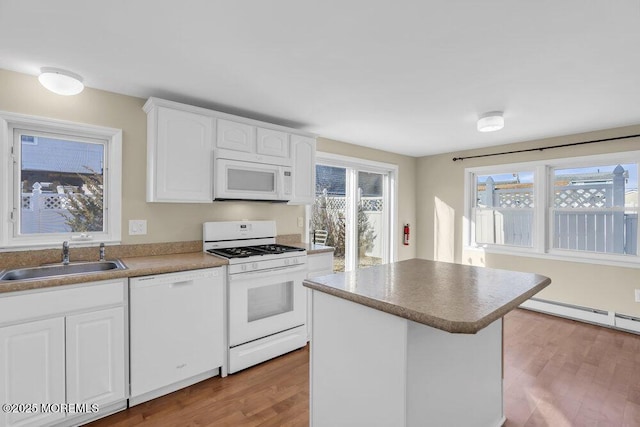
{"type": "Point", "coordinates": [251, 181]}
{"type": "Point", "coordinates": [265, 302]}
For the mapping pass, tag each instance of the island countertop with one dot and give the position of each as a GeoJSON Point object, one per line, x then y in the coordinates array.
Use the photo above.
{"type": "Point", "coordinates": [452, 297]}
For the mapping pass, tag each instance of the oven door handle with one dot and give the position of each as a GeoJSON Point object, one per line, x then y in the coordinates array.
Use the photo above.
{"type": "Point", "coordinates": [267, 273]}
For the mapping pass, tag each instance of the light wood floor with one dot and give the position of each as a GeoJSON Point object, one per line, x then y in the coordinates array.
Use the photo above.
{"type": "Point", "coordinates": [557, 373]}
{"type": "Point", "coordinates": [564, 373]}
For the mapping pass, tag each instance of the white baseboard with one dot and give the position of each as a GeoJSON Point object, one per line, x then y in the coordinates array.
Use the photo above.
{"type": "Point", "coordinates": [628, 323]}
{"type": "Point", "coordinates": [609, 319]}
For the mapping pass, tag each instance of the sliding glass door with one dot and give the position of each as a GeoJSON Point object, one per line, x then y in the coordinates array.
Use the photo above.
{"type": "Point", "coordinates": [371, 219]}
{"type": "Point", "coordinates": [329, 212]}
{"type": "Point", "coordinates": [353, 211]}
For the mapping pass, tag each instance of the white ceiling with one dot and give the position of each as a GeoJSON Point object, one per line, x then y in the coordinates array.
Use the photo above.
{"type": "Point", "coordinates": [410, 77]}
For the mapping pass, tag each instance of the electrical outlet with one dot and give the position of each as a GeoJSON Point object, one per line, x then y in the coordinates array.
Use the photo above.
{"type": "Point", "coordinates": [137, 227]}
{"type": "Point", "coordinates": [637, 295]}
{"type": "Point", "coordinates": [300, 222]}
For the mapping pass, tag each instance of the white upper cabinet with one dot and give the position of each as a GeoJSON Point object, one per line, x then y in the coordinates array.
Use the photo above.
{"type": "Point", "coordinates": [185, 142]}
{"type": "Point", "coordinates": [303, 152]}
{"type": "Point", "coordinates": [179, 155]}
{"type": "Point", "coordinates": [236, 136]}
{"type": "Point", "coordinates": [272, 142]}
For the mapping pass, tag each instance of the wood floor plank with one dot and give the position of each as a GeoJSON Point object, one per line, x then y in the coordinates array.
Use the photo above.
{"type": "Point", "coordinates": [558, 372]}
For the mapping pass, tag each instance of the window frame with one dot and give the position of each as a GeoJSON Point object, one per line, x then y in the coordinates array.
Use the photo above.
{"type": "Point", "coordinates": [391, 190]}
{"type": "Point", "coordinates": [543, 201]}
{"type": "Point", "coordinates": [9, 237]}
{"type": "Point", "coordinates": [473, 196]}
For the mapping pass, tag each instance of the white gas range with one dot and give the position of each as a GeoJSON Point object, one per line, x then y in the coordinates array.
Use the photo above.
{"type": "Point", "coordinates": [266, 299]}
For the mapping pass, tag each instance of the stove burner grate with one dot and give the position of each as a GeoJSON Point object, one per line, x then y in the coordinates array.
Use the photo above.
{"type": "Point", "coordinates": [247, 251]}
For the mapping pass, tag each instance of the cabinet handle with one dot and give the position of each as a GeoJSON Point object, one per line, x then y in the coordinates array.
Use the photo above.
{"type": "Point", "coordinates": [183, 283]}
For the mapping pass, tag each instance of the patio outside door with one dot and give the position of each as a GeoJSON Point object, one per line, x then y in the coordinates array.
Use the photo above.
{"type": "Point", "coordinates": [353, 206]}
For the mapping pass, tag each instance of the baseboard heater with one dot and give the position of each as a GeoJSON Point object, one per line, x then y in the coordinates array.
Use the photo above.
{"type": "Point", "coordinates": [609, 319]}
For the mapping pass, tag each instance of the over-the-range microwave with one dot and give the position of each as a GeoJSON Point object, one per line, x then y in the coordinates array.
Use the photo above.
{"type": "Point", "coordinates": [244, 180]}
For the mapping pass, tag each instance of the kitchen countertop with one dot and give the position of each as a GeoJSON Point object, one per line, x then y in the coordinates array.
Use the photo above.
{"type": "Point", "coordinates": [136, 266]}
{"type": "Point", "coordinates": [312, 248]}
{"type": "Point", "coordinates": [141, 266]}
{"type": "Point", "coordinates": [452, 297]}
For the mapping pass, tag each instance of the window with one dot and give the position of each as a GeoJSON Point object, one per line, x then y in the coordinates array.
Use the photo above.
{"type": "Point", "coordinates": [595, 208]}
{"type": "Point", "coordinates": [353, 210]}
{"type": "Point", "coordinates": [503, 208]}
{"type": "Point", "coordinates": [583, 208]}
{"type": "Point", "coordinates": [64, 183]}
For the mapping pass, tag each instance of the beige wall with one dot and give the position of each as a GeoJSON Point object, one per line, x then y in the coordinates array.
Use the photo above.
{"type": "Point", "coordinates": [440, 195]}
{"type": "Point", "coordinates": [406, 185]}
{"type": "Point", "coordinates": [21, 93]}
{"type": "Point", "coordinates": [430, 193]}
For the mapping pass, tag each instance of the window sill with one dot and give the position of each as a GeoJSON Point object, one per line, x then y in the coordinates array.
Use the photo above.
{"type": "Point", "coordinates": [25, 246]}
{"type": "Point", "coordinates": [567, 256]}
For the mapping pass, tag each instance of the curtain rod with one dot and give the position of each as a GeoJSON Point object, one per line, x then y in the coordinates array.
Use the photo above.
{"type": "Point", "coordinates": [455, 159]}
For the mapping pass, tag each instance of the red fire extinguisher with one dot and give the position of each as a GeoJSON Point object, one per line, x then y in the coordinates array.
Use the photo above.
{"type": "Point", "coordinates": [406, 235]}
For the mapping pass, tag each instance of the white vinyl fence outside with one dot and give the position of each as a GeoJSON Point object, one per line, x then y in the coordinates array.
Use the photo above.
{"type": "Point", "coordinates": [44, 212]}
{"type": "Point", "coordinates": [373, 209]}
{"type": "Point", "coordinates": [585, 217]}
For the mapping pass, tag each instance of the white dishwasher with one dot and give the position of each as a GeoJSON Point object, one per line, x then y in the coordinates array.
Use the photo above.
{"type": "Point", "coordinates": [176, 331]}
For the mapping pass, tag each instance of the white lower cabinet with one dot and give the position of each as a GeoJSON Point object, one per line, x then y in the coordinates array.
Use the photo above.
{"type": "Point", "coordinates": [73, 356]}
{"type": "Point", "coordinates": [95, 366]}
{"type": "Point", "coordinates": [319, 264]}
{"type": "Point", "coordinates": [32, 371]}
{"type": "Point", "coordinates": [371, 368]}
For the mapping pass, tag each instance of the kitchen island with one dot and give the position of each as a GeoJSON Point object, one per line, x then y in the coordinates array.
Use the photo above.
{"type": "Point", "coordinates": [412, 343]}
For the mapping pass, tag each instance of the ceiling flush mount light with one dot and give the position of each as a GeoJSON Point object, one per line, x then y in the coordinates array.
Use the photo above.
{"type": "Point", "coordinates": [60, 81]}
{"type": "Point", "coordinates": [490, 122]}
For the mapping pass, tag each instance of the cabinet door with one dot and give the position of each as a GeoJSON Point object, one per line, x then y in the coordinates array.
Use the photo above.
{"type": "Point", "coordinates": [32, 370]}
{"type": "Point", "coordinates": [304, 169]}
{"type": "Point", "coordinates": [272, 142]}
{"type": "Point", "coordinates": [319, 264]}
{"type": "Point", "coordinates": [96, 357]}
{"type": "Point", "coordinates": [183, 157]}
{"type": "Point", "coordinates": [236, 136]}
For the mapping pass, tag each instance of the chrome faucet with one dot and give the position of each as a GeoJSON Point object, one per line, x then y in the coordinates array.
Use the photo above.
{"type": "Point", "coordinates": [65, 253]}
{"type": "Point", "coordinates": [102, 251]}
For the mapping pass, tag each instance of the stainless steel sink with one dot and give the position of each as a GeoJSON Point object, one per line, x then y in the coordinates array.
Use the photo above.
{"type": "Point", "coordinates": [55, 270]}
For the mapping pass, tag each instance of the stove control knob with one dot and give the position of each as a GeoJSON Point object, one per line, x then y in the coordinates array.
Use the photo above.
{"type": "Point", "coordinates": [295, 261]}
{"type": "Point", "coordinates": [244, 267]}
{"type": "Point", "coordinates": [254, 266]}
{"type": "Point", "coordinates": [286, 262]}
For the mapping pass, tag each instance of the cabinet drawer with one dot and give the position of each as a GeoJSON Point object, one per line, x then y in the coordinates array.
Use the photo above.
{"type": "Point", "coordinates": [254, 352]}
{"type": "Point", "coordinates": [59, 301]}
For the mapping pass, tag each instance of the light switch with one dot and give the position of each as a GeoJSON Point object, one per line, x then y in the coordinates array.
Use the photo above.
{"type": "Point", "coordinates": [137, 227]}
{"type": "Point", "coordinates": [300, 222]}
